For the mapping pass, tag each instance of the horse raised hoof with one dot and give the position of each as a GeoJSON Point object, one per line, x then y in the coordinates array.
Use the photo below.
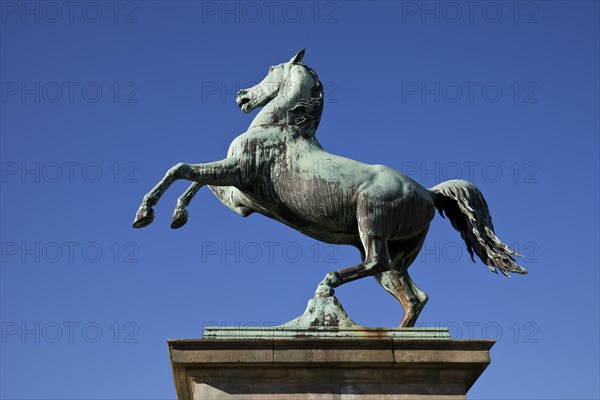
{"type": "Point", "coordinates": [144, 217]}
{"type": "Point", "coordinates": [180, 217]}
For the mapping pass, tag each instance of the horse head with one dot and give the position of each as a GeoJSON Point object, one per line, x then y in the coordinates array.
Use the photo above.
{"type": "Point", "coordinates": [291, 94]}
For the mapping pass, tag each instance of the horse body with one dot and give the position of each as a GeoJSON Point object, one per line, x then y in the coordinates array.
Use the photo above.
{"type": "Point", "coordinates": [318, 193]}
{"type": "Point", "coordinates": [278, 168]}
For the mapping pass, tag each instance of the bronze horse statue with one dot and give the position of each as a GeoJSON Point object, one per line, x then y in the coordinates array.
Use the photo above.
{"type": "Point", "coordinates": [270, 169]}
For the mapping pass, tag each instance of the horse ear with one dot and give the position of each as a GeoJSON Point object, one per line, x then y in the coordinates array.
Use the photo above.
{"type": "Point", "coordinates": [297, 59]}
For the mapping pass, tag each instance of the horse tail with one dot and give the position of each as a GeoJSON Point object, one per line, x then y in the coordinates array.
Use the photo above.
{"type": "Point", "coordinates": [468, 212]}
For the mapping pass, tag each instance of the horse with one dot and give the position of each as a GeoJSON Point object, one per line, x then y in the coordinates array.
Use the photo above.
{"type": "Point", "coordinates": [278, 168]}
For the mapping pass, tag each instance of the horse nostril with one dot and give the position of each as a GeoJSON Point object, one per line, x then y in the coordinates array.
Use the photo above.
{"type": "Point", "coordinates": [241, 93]}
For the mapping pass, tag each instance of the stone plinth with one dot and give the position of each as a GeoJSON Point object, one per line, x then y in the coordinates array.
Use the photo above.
{"type": "Point", "coordinates": [340, 368]}
{"type": "Point", "coordinates": [283, 332]}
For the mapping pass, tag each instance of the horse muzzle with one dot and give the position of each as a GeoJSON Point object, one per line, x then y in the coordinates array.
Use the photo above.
{"type": "Point", "coordinates": [243, 101]}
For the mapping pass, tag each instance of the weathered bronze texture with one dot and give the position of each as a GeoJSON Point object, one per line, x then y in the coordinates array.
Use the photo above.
{"type": "Point", "coordinates": [278, 168]}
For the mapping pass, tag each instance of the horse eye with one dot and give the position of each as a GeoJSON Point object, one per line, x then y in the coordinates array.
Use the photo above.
{"type": "Point", "coordinates": [271, 69]}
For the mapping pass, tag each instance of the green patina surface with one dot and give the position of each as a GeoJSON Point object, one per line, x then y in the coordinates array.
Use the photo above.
{"type": "Point", "coordinates": [324, 318]}
{"type": "Point", "coordinates": [252, 332]}
{"type": "Point", "coordinates": [279, 169]}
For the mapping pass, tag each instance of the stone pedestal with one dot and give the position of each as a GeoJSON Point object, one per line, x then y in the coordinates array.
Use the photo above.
{"type": "Point", "coordinates": [375, 365]}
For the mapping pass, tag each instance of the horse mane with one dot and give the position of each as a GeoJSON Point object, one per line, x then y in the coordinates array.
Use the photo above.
{"type": "Point", "coordinates": [306, 113]}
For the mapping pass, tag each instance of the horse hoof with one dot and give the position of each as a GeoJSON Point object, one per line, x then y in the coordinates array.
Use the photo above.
{"type": "Point", "coordinates": [144, 217]}
{"type": "Point", "coordinates": [324, 291]}
{"type": "Point", "coordinates": [180, 217]}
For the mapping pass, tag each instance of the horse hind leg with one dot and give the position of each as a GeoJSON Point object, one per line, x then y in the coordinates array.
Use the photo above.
{"type": "Point", "coordinates": [400, 286]}
{"type": "Point", "coordinates": [398, 283]}
{"type": "Point", "coordinates": [376, 260]}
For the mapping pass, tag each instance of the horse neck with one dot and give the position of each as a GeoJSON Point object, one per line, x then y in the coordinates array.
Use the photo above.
{"type": "Point", "coordinates": [276, 111]}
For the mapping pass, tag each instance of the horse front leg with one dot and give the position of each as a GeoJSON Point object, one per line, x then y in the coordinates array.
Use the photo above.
{"type": "Point", "coordinates": [227, 172]}
{"type": "Point", "coordinates": [180, 215]}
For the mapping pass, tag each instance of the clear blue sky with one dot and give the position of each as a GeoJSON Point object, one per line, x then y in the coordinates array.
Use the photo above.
{"type": "Point", "coordinates": [99, 99]}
